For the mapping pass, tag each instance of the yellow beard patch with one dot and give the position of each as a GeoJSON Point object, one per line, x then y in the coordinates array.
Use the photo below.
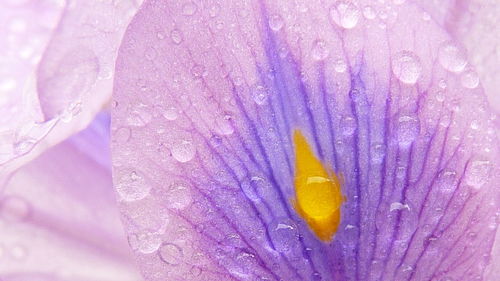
{"type": "Point", "coordinates": [317, 190]}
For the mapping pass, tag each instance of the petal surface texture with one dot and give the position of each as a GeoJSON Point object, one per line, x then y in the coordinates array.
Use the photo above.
{"type": "Point", "coordinates": [58, 216]}
{"type": "Point", "coordinates": [207, 97]}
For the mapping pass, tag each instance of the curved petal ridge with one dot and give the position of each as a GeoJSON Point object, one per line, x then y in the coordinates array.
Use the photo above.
{"type": "Point", "coordinates": [208, 95]}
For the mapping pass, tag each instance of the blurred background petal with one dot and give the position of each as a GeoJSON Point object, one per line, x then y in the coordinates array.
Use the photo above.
{"type": "Point", "coordinates": [58, 215]}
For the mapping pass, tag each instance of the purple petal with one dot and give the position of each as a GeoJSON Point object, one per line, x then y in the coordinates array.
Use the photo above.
{"type": "Point", "coordinates": [59, 218]}
{"type": "Point", "coordinates": [207, 96]}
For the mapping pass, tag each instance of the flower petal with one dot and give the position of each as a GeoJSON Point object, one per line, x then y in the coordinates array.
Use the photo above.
{"type": "Point", "coordinates": [59, 219]}
{"type": "Point", "coordinates": [208, 96]}
{"type": "Point", "coordinates": [59, 70]}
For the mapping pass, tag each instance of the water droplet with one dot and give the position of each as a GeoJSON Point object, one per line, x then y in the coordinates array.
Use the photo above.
{"type": "Point", "coordinates": [446, 181]}
{"type": "Point", "coordinates": [469, 78]}
{"type": "Point", "coordinates": [259, 94]}
{"type": "Point", "coordinates": [452, 57]}
{"type": "Point", "coordinates": [224, 125]}
{"type": "Point", "coordinates": [198, 71]}
{"type": "Point", "coordinates": [406, 67]}
{"type": "Point", "coordinates": [426, 16]}
{"type": "Point", "coordinates": [170, 113]}
{"type": "Point", "coordinates": [398, 2]}
{"type": "Point", "coordinates": [345, 14]}
{"type": "Point", "coordinates": [320, 50]}
{"type": "Point", "coordinates": [183, 151]}
{"type": "Point", "coordinates": [340, 66]}
{"type": "Point", "coordinates": [214, 10]}
{"type": "Point", "coordinates": [377, 153]}
{"type": "Point", "coordinates": [397, 206]}
{"type": "Point", "coordinates": [14, 208]}
{"type": "Point", "coordinates": [284, 235]}
{"type": "Point", "coordinates": [150, 53]}
{"type": "Point", "coordinates": [348, 125]}
{"type": "Point", "coordinates": [160, 35]}
{"type": "Point", "coordinates": [276, 22]}
{"type": "Point", "coordinates": [189, 9]}
{"type": "Point", "coordinates": [176, 36]}
{"type": "Point", "coordinates": [442, 84]}
{"type": "Point", "coordinates": [139, 116]}
{"type": "Point", "coordinates": [178, 197]}
{"type": "Point", "coordinates": [133, 186]}
{"type": "Point", "coordinates": [122, 135]}
{"type": "Point", "coordinates": [195, 271]}
{"type": "Point", "coordinates": [408, 129]}
{"type": "Point", "coordinates": [145, 242]}
{"type": "Point", "coordinates": [369, 13]}
{"type": "Point", "coordinates": [171, 254]}
{"type": "Point", "coordinates": [478, 173]}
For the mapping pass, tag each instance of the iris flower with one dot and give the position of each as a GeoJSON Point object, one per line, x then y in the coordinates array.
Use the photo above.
{"type": "Point", "coordinates": [249, 140]}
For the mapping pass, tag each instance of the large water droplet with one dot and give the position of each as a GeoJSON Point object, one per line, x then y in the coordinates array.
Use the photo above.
{"type": "Point", "coordinates": [406, 67]}
{"type": "Point", "coordinates": [320, 50]}
{"type": "Point", "coordinates": [171, 254]}
{"type": "Point", "coordinates": [183, 151]}
{"type": "Point", "coordinates": [284, 235]}
{"type": "Point", "coordinates": [276, 22]}
{"type": "Point", "coordinates": [345, 14]}
{"type": "Point", "coordinates": [478, 173]}
{"type": "Point", "coordinates": [176, 36]}
{"type": "Point", "coordinates": [452, 57]}
{"type": "Point", "coordinates": [469, 78]}
{"type": "Point", "coordinates": [14, 208]}
{"type": "Point", "coordinates": [408, 129]}
{"type": "Point", "coordinates": [133, 186]}
{"type": "Point", "coordinates": [178, 197]}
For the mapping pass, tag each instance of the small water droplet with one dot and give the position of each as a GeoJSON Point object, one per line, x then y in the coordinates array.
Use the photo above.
{"type": "Point", "coordinates": [276, 22]}
{"type": "Point", "coordinates": [478, 173]}
{"type": "Point", "coordinates": [259, 94]}
{"type": "Point", "coordinates": [139, 116]}
{"type": "Point", "coordinates": [122, 135]}
{"type": "Point", "coordinates": [345, 14]}
{"type": "Point", "coordinates": [377, 153]}
{"type": "Point", "coordinates": [406, 67]}
{"type": "Point", "coordinates": [369, 13]}
{"type": "Point", "coordinates": [160, 35]}
{"type": "Point", "coordinates": [408, 129]}
{"type": "Point", "coordinates": [171, 254]}
{"type": "Point", "coordinates": [195, 271]}
{"type": "Point", "coordinates": [348, 125]}
{"type": "Point", "coordinates": [189, 9]}
{"type": "Point", "coordinates": [320, 50]}
{"type": "Point", "coordinates": [176, 36]}
{"type": "Point", "coordinates": [184, 151]}
{"type": "Point", "coordinates": [133, 186]}
{"type": "Point", "coordinates": [397, 206]}
{"type": "Point", "coordinates": [214, 10]}
{"type": "Point", "coordinates": [340, 66]}
{"type": "Point", "coordinates": [170, 113]}
{"type": "Point", "coordinates": [178, 197]}
{"type": "Point", "coordinates": [426, 16]}
{"type": "Point", "coordinates": [145, 242]}
{"type": "Point", "coordinates": [398, 2]}
{"type": "Point", "coordinates": [284, 235]}
{"type": "Point", "coordinates": [14, 208]}
{"type": "Point", "coordinates": [452, 57]}
{"type": "Point", "coordinates": [442, 84]}
{"type": "Point", "coordinates": [198, 71]}
{"type": "Point", "coordinates": [150, 53]}
{"type": "Point", "coordinates": [469, 78]}
{"type": "Point", "coordinates": [446, 181]}
{"type": "Point", "coordinates": [224, 125]}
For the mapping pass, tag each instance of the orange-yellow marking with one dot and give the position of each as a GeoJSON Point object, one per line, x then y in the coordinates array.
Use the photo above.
{"type": "Point", "coordinates": [317, 190]}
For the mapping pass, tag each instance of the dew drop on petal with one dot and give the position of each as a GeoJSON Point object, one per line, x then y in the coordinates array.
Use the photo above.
{"type": "Point", "coordinates": [170, 253]}
{"type": "Point", "coordinates": [178, 197]}
{"type": "Point", "coordinates": [170, 113]}
{"type": "Point", "coordinates": [183, 151]}
{"type": "Point", "coordinates": [408, 129]}
{"type": "Point", "coordinates": [319, 50]}
{"type": "Point", "coordinates": [198, 71]}
{"type": "Point", "coordinates": [132, 186]}
{"type": "Point", "coordinates": [284, 235]}
{"type": "Point", "coordinates": [340, 66]}
{"type": "Point", "coordinates": [369, 13]}
{"type": "Point", "coordinates": [469, 78]}
{"type": "Point", "coordinates": [145, 242]}
{"type": "Point", "coordinates": [122, 135]}
{"type": "Point", "coordinates": [189, 9]}
{"type": "Point", "coordinates": [259, 95]}
{"type": "Point", "coordinates": [397, 206]}
{"type": "Point", "coordinates": [276, 22]}
{"type": "Point", "coordinates": [452, 57]}
{"type": "Point", "coordinates": [345, 14]}
{"type": "Point", "coordinates": [406, 67]}
{"type": "Point", "coordinates": [14, 208]}
{"type": "Point", "coordinates": [478, 173]}
{"type": "Point", "coordinates": [176, 36]}
{"type": "Point", "coordinates": [348, 125]}
{"type": "Point", "coordinates": [223, 125]}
